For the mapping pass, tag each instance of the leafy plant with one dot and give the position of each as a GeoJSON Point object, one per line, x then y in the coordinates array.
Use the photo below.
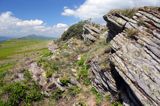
{"type": "Point", "coordinates": [57, 94]}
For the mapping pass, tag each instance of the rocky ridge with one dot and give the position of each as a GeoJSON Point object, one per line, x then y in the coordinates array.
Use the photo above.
{"type": "Point", "coordinates": [134, 72]}
{"type": "Point", "coordinates": [124, 61]}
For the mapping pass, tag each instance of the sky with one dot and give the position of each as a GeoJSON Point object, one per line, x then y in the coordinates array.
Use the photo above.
{"type": "Point", "coordinates": [52, 17]}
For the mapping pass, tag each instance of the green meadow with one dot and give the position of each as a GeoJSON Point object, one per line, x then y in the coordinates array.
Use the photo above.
{"type": "Point", "coordinates": [18, 46]}
{"type": "Point", "coordinates": [15, 50]}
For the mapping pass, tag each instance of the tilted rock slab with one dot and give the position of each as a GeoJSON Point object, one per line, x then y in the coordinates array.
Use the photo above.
{"type": "Point", "coordinates": [136, 60]}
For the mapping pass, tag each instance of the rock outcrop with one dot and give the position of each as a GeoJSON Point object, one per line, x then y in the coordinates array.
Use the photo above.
{"type": "Point", "coordinates": [47, 84]}
{"type": "Point", "coordinates": [92, 32]}
{"type": "Point", "coordinates": [134, 74]}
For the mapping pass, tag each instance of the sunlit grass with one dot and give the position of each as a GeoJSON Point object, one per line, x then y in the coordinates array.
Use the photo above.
{"type": "Point", "coordinates": [13, 47]}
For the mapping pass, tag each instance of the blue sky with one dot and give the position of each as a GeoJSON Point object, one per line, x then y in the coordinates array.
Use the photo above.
{"type": "Point", "coordinates": [53, 17]}
{"type": "Point", "coordinates": [47, 10]}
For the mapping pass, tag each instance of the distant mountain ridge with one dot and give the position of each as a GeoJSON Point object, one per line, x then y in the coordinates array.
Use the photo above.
{"type": "Point", "coordinates": [37, 37]}
{"type": "Point", "coordinates": [3, 38]}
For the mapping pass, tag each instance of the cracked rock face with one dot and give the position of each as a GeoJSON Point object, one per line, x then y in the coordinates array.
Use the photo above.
{"type": "Point", "coordinates": [134, 60]}
{"type": "Point", "coordinates": [137, 61]}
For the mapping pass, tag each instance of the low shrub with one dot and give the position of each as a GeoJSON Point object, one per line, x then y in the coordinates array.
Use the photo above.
{"type": "Point", "coordinates": [75, 30]}
{"type": "Point", "coordinates": [21, 93]}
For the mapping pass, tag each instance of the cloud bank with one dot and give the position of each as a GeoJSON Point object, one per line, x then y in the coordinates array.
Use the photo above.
{"type": "Point", "coordinates": [95, 9]}
{"type": "Point", "coordinates": [13, 26]}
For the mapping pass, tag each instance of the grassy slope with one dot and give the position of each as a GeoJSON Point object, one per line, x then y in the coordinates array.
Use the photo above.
{"type": "Point", "coordinates": [15, 50]}
{"type": "Point", "coordinates": [12, 47]}
{"type": "Point", "coordinates": [12, 53]}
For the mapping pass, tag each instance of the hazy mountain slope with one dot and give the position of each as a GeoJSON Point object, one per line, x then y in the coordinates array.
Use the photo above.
{"type": "Point", "coordinates": [37, 37]}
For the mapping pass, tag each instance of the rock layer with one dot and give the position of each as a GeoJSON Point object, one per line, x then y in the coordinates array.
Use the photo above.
{"type": "Point", "coordinates": [135, 58]}
{"type": "Point", "coordinates": [92, 32]}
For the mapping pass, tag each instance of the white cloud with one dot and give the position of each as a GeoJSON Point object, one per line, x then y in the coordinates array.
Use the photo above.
{"type": "Point", "coordinates": [13, 26]}
{"type": "Point", "coordinates": [61, 25]}
{"type": "Point", "coordinates": [30, 23]}
{"type": "Point", "coordinates": [68, 12]}
{"type": "Point", "coordinates": [95, 9]}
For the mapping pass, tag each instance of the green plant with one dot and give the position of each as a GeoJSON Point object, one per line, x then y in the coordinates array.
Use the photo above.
{"type": "Point", "coordinates": [116, 104]}
{"type": "Point", "coordinates": [65, 80]}
{"type": "Point", "coordinates": [27, 75]}
{"type": "Point", "coordinates": [2, 103]}
{"type": "Point", "coordinates": [83, 72]}
{"type": "Point", "coordinates": [47, 53]}
{"type": "Point", "coordinates": [99, 97]}
{"type": "Point", "coordinates": [74, 90]}
{"type": "Point", "coordinates": [57, 94]}
{"type": "Point", "coordinates": [49, 66]}
{"type": "Point", "coordinates": [18, 92]}
{"type": "Point", "coordinates": [108, 97]}
{"type": "Point", "coordinates": [33, 95]}
{"type": "Point", "coordinates": [81, 62]}
{"type": "Point", "coordinates": [49, 73]}
{"type": "Point", "coordinates": [75, 30]}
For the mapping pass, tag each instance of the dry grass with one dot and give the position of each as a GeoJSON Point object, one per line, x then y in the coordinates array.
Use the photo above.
{"type": "Point", "coordinates": [131, 33]}
{"type": "Point", "coordinates": [126, 12]}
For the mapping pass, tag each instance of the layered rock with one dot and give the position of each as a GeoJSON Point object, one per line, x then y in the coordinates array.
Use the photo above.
{"type": "Point", "coordinates": [92, 32]}
{"type": "Point", "coordinates": [134, 73]}
{"type": "Point", "coordinates": [137, 61]}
